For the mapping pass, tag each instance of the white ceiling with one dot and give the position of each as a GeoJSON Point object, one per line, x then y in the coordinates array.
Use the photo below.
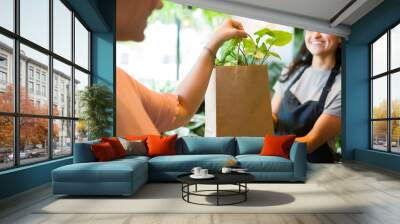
{"type": "Point", "coordinates": [317, 15]}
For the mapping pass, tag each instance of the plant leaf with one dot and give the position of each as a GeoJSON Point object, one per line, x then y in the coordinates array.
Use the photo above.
{"type": "Point", "coordinates": [259, 54]}
{"type": "Point", "coordinates": [282, 38]}
{"type": "Point", "coordinates": [264, 31]}
{"type": "Point", "coordinates": [249, 46]}
{"type": "Point", "coordinates": [230, 60]}
{"type": "Point", "coordinates": [228, 48]}
{"type": "Point", "coordinates": [264, 48]}
{"type": "Point", "coordinates": [274, 54]}
{"type": "Point", "coordinates": [270, 41]}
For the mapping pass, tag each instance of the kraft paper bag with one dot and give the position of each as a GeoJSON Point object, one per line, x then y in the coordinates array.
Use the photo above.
{"type": "Point", "coordinates": [237, 102]}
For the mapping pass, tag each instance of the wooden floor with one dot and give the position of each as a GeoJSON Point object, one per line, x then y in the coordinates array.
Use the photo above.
{"type": "Point", "coordinates": [377, 188]}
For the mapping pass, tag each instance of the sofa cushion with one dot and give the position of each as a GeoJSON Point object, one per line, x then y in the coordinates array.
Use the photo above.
{"type": "Point", "coordinates": [277, 145]}
{"type": "Point", "coordinates": [116, 145]}
{"type": "Point", "coordinates": [206, 145]}
{"type": "Point", "coordinates": [112, 171]}
{"type": "Point", "coordinates": [103, 152]}
{"type": "Point", "coordinates": [161, 145]}
{"type": "Point", "coordinates": [185, 163]}
{"type": "Point", "coordinates": [257, 163]}
{"type": "Point", "coordinates": [131, 158]}
{"type": "Point", "coordinates": [249, 145]}
{"type": "Point", "coordinates": [134, 147]}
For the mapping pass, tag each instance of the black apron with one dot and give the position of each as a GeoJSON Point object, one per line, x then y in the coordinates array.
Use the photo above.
{"type": "Point", "coordinates": [299, 119]}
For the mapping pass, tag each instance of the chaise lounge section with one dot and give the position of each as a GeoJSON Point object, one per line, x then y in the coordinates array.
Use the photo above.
{"type": "Point", "coordinates": [125, 176]}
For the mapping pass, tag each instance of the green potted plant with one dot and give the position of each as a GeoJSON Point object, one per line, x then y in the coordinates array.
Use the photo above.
{"type": "Point", "coordinates": [96, 102]}
{"type": "Point", "coordinates": [237, 101]}
{"type": "Point", "coordinates": [250, 51]}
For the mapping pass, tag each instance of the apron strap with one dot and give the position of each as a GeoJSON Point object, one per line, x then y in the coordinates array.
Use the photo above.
{"type": "Point", "coordinates": [297, 77]}
{"type": "Point", "coordinates": [328, 86]}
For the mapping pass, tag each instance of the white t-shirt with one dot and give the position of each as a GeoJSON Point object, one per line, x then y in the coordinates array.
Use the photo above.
{"type": "Point", "coordinates": [309, 87]}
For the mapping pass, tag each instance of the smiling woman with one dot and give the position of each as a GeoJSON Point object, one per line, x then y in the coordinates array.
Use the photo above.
{"type": "Point", "coordinates": [307, 99]}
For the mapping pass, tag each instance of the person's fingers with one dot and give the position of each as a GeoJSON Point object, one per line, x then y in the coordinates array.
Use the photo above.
{"type": "Point", "coordinates": [236, 24]}
{"type": "Point", "coordinates": [243, 34]}
{"type": "Point", "coordinates": [239, 33]}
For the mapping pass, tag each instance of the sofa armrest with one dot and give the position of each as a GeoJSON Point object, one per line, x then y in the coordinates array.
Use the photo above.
{"type": "Point", "coordinates": [83, 152]}
{"type": "Point", "coordinates": [298, 155]}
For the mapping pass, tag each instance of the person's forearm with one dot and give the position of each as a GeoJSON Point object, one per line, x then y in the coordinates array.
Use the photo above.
{"type": "Point", "coordinates": [192, 89]}
{"type": "Point", "coordinates": [325, 128]}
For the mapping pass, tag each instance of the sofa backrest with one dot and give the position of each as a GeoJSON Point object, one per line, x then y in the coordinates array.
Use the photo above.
{"type": "Point", "coordinates": [83, 153]}
{"type": "Point", "coordinates": [206, 145]}
{"type": "Point", "coordinates": [190, 146]}
{"type": "Point", "coordinates": [249, 145]}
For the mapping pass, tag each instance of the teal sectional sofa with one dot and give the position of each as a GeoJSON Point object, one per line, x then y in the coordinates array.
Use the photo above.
{"type": "Point", "coordinates": [125, 176]}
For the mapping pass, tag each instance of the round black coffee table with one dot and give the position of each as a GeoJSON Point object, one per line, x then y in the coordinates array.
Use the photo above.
{"type": "Point", "coordinates": [238, 179]}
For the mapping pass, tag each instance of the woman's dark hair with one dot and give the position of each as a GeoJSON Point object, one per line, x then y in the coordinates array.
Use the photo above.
{"type": "Point", "coordinates": [304, 58]}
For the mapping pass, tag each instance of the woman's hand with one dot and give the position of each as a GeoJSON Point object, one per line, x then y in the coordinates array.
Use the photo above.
{"type": "Point", "coordinates": [228, 30]}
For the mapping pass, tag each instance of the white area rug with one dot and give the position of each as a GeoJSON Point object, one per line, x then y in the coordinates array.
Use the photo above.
{"type": "Point", "coordinates": [166, 198]}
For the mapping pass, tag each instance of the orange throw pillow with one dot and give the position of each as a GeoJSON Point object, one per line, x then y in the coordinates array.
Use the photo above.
{"type": "Point", "coordinates": [161, 146]}
{"type": "Point", "coordinates": [278, 145]}
{"type": "Point", "coordinates": [116, 145]}
{"type": "Point", "coordinates": [103, 151]}
{"type": "Point", "coordinates": [136, 137]}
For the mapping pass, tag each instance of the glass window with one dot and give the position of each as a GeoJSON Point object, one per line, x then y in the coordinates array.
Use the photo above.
{"type": "Point", "coordinates": [37, 89]}
{"type": "Point", "coordinates": [81, 131]}
{"type": "Point", "coordinates": [62, 138]}
{"type": "Point", "coordinates": [379, 97]}
{"type": "Point", "coordinates": [62, 29]}
{"type": "Point", "coordinates": [3, 78]}
{"type": "Point", "coordinates": [7, 14]}
{"type": "Point", "coordinates": [30, 72]}
{"type": "Point", "coordinates": [44, 91]}
{"type": "Point", "coordinates": [7, 74]}
{"type": "Point", "coordinates": [37, 75]}
{"type": "Point", "coordinates": [62, 72]}
{"type": "Point", "coordinates": [3, 61]}
{"type": "Point", "coordinates": [30, 87]}
{"type": "Point", "coordinates": [379, 56]}
{"type": "Point", "coordinates": [34, 21]}
{"type": "Point", "coordinates": [40, 62]}
{"type": "Point", "coordinates": [34, 79]}
{"type": "Point", "coordinates": [395, 47]}
{"type": "Point", "coordinates": [81, 82]}
{"type": "Point", "coordinates": [81, 45]}
{"type": "Point", "coordinates": [395, 136]}
{"type": "Point", "coordinates": [395, 95]}
{"type": "Point", "coordinates": [385, 125]}
{"type": "Point", "coordinates": [6, 142]}
{"type": "Point", "coordinates": [379, 135]}
{"type": "Point", "coordinates": [33, 140]}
